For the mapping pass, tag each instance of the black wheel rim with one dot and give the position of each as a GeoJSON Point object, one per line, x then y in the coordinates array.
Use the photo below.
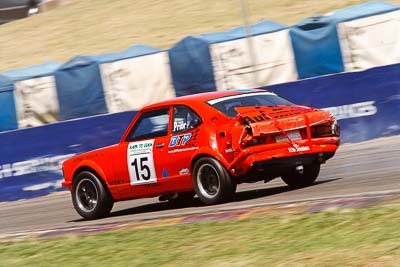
{"type": "Point", "coordinates": [208, 180]}
{"type": "Point", "coordinates": [86, 195]}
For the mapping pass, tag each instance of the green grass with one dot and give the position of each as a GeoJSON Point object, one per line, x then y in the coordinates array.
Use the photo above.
{"type": "Point", "coordinates": [100, 26]}
{"type": "Point", "coordinates": [345, 238]}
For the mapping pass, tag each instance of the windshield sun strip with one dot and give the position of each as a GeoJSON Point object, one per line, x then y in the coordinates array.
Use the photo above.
{"type": "Point", "coordinates": [218, 100]}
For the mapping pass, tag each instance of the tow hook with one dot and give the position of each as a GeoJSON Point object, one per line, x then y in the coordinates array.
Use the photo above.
{"type": "Point", "coordinates": [299, 169]}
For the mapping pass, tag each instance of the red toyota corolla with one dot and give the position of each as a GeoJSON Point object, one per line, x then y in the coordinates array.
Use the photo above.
{"type": "Point", "coordinates": [204, 144]}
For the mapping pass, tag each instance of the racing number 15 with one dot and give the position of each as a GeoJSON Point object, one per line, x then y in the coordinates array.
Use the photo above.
{"type": "Point", "coordinates": [143, 170]}
{"type": "Point", "coordinates": [140, 162]}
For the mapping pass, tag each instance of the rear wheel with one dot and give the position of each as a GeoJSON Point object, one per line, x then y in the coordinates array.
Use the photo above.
{"type": "Point", "coordinates": [212, 181]}
{"type": "Point", "coordinates": [89, 196]}
{"type": "Point", "coordinates": [306, 178]}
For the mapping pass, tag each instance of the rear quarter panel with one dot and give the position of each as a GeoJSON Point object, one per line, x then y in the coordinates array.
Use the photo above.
{"type": "Point", "coordinates": [213, 134]}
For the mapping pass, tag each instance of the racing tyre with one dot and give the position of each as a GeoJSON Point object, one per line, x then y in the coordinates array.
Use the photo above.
{"type": "Point", "coordinates": [212, 181]}
{"type": "Point", "coordinates": [89, 196]}
{"type": "Point", "coordinates": [307, 178]}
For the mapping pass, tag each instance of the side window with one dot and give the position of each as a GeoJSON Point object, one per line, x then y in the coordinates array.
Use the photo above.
{"type": "Point", "coordinates": [151, 124]}
{"type": "Point", "coordinates": [184, 119]}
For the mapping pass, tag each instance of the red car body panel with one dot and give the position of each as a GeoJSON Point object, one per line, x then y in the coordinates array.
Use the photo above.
{"type": "Point", "coordinates": [267, 137]}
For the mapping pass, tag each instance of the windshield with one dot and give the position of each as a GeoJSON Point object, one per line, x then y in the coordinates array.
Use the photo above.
{"type": "Point", "coordinates": [228, 104]}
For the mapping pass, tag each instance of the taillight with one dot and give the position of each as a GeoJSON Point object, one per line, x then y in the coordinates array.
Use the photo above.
{"type": "Point", "coordinates": [256, 141]}
{"type": "Point", "coordinates": [249, 140]}
{"type": "Point", "coordinates": [325, 130]}
{"type": "Point", "coordinates": [335, 128]}
{"type": "Point", "coordinates": [246, 137]}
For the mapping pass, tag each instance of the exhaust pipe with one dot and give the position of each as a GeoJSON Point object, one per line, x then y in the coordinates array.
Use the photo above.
{"type": "Point", "coordinates": [299, 169]}
{"type": "Point", "coordinates": [321, 159]}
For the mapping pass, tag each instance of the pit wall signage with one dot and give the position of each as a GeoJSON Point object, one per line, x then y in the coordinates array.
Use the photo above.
{"type": "Point", "coordinates": [366, 103]}
{"type": "Point", "coordinates": [355, 110]}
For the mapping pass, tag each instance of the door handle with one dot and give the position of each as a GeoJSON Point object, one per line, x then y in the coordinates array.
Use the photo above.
{"type": "Point", "coordinates": [160, 145]}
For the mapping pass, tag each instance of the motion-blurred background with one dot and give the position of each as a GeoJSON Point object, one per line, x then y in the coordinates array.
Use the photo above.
{"type": "Point", "coordinates": [80, 68]}
{"type": "Point", "coordinates": [89, 27]}
{"type": "Point", "coordinates": [73, 73]}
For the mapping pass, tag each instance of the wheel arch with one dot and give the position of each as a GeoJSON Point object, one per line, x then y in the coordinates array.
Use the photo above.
{"type": "Point", "coordinates": [209, 153]}
{"type": "Point", "coordinates": [98, 173]}
{"type": "Point", "coordinates": [204, 155]}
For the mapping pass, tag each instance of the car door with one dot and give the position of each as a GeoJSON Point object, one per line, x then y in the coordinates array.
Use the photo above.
{"type": "Point", "coordinates": [184, 140]}
{"type": "Point", "coordinates": [141, 171]}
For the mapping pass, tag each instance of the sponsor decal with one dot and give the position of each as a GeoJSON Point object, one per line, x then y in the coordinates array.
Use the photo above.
{"type": "Point", "coordinates": [179, 125]}
{"type": "Point", "coordinates": [165, 173]}
{"type": "Point", "coordinates": [115, 182]}
{"type": "Point", "coordinates": [179, 140]}
{"type": "Point", "coordinates": [297, 148]}
{"type": "Point", "coordinates": [141, 162]}
{"type": "Point", "coordinates": [184, 171]}
{"type": "Point", "coordinates": [141, 147]}
{"type": "Point", "coordinates": [215, 101]}
{"type": "Point", "coordinates": [183, 149]}
{"type": "Point", "coordinates": [355, 110]}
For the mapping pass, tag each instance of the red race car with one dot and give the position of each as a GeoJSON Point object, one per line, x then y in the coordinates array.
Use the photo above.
{"type": "Point", "coordinates": [204, 144]}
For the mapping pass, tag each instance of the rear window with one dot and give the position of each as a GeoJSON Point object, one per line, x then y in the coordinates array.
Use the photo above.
{"type": "Point", "coordinates": [228, 104]}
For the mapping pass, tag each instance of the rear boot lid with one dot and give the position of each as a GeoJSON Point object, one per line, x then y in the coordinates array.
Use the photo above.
{"type": "Point", "coordinates": [280, 119]}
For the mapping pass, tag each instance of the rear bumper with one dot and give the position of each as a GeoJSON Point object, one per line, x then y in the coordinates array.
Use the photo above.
{"type": "Point", "coordinates": [283, 155]}
{"type": "Point", "coordinates": [292, 161]}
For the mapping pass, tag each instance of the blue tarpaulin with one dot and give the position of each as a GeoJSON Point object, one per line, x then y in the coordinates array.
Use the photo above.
{"type": "Point", "coordinates": [31, 72]}
{"type": "Point", "coordinates": [363, 10]}
{"type": "Point", "coordinates": [316, 47]}
{"type": "Point", "coordinates": [79, 84]}
{"type": "Point", "coordinates": [190, 60]}
{"type": "Point", "coordinates": [315, 40]}
{"type": "Point", "coordinates": [8, 117]}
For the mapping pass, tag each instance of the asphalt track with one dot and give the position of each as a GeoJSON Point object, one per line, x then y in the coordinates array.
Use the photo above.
{"type": "Point", "coordinates": [362, 169]}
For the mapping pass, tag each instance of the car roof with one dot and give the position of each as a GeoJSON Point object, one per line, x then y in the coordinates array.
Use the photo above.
{"type": "Point", "coordinates": [201, 98]}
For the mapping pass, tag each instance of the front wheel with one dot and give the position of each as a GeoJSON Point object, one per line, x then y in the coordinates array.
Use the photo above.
{"type": "Point", "coordinates": [212, 181]}
{"type": "Point", "coordinates": [306, 178]}
{"type": "Point", "coordinates": [90, 198]}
